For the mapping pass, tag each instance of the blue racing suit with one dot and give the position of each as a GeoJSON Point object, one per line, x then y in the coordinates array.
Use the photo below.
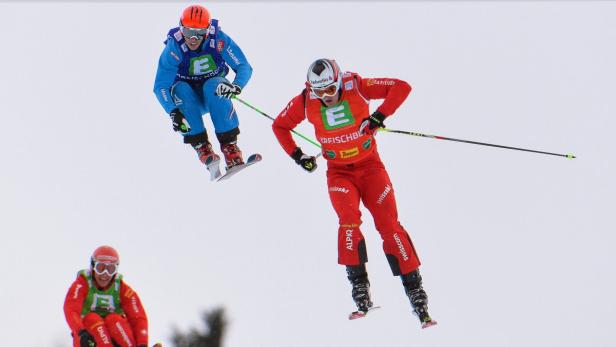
{"type": "Point", "coordinates": [188, 79]}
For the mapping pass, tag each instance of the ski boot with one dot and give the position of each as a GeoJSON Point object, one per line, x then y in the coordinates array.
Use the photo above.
{"type": "Point", "coordinates": [233, 155]}
{"type": "Point", "coordinates": [361, 294]}
{"type": "Point", "coordinates": [206, 153]}
{"type": "Point", "coordinates": [361, 290]}
{"type": "Point", "coordinates": [418, 297]}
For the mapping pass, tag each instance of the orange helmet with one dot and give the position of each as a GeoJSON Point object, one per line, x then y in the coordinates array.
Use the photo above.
{"type": "Point", "coordinates": [105, 254]}
{"type": "Point", "coordinates": [195, 16]}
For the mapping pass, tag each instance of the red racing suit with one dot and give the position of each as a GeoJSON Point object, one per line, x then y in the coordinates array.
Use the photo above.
{"type": "Point", "coordinates": [354, 169]}
{"type": "Point", "coordinates": [112, 313]}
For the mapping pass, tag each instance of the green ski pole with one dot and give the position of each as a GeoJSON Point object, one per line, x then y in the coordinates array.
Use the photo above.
{"type": "Point", "coordinates": [272, 118]}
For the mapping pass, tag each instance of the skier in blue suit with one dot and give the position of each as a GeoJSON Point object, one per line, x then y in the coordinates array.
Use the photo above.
{"type": "Point", "coordinates": [190, 82]}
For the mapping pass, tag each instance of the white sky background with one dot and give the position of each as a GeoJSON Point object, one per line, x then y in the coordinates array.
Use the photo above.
{"type": "Point", "coordinates": [517, 248]}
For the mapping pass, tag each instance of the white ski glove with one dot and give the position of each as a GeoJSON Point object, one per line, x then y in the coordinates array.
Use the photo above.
{"type": "Point", "coordinates": [227, 90]}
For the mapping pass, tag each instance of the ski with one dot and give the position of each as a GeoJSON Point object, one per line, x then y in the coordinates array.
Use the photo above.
{"type": "Point", "coordinates": [213, 166]}
{"type": "Point", "coordinates": [426, 320]}
{"type": "Point", "coordinates": [362, 314]}
{"type": "Point", "coordinates": [253, 159]}
{"type": "Point", "coordinates": [428, 324]}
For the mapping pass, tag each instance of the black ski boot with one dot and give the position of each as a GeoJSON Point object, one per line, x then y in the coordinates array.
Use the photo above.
{"type": "Point", "coordinates": [358, 277]}
{"type": "Point", "coordinates": [418, 297]}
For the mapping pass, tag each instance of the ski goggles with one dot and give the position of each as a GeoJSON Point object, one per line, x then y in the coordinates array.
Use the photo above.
{"type": "Point", "coordinates": [197, 33]}
{"type": "Point", "coordinates": [330, 90]}
{"type": "Point", "coordinates": [101, 267]}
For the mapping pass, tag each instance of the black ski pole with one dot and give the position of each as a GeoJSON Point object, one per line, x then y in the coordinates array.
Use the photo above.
{"type": "Point", "coordinates": [570, 156]}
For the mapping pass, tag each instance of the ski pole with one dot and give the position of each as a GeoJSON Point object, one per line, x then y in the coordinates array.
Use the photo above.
{"type": "Point", "coordinates": [569, 155]}
{"type": "Point", "coordinates": [272, 118]}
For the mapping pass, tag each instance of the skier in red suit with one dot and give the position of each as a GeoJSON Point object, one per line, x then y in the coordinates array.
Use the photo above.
{"type": "Point", "coordinates": [101, 309]}
{"type": "Point", "coordinates": [337, 105]}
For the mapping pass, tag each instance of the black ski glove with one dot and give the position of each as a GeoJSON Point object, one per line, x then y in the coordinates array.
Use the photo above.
{"type": "Point", "coordinates": [85, 339]}
{"type": "Point", "coordinates": [180, 123]}
{"type": "Point", "coordinates": [307, 162]}
{"type": "Point", "coordinates": [227, 90]}
{"type": "Point", "coordinates": [370, 124]}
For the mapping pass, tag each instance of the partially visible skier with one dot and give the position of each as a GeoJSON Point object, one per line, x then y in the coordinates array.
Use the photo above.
{"type": "Point", "coordinates": [101, 309]}
{"type": "Point", "coordinates": [190, 82]}
{"type": "Point", "coordinates": [337, 105]}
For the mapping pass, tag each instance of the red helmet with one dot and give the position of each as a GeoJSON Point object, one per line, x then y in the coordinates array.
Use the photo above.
{"type": "Point", "coordinates": [195, 16]}
{"type": "Point", "coordinates": [105, 254]}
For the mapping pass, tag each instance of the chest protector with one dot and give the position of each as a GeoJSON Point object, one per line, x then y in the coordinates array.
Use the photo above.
{"type": "Point", "coordinates": [337, 126]}
{"type": "Point", "coordinates": [204, 63]}
{"type": "Point", "coordinates": [99, 301]}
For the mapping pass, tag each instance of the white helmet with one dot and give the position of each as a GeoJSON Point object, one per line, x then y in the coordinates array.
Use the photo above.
{"type": "Point", "coordinates": [324, 73]}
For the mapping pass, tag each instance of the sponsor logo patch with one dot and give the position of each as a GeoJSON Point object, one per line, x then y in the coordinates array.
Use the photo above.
{"type": "Point", "coordinates": [379, 82]}
{"type": "Point", "coordinates": [403, 253]}
{"type": "Point", "coordinates": [76, 293]}
{"type": "Point", "coordinates": [133, 301]}
{"type": "Point", "coordinates": [174, 55]}
{"type": "Point", "coordinates": [232, 55]}
{"type": "Point", "coordinates": [349, 239]}
{"type": "Point", "coordinates": [286, 109]}
{"type": "Point", "coordinates": [321, 80]}
{"type": "Point", "coordinates": [340, 138]}
{"type": "Point", "coordinates": [384, 194]}
{"type": "Point", "coordinates": [337, 116]}
{"type": "Point", "coordinates": [220, 46]}
{"type": "Point", "coordinates": [178, 35]}
{"type": "Point", "coordinates": [201, 65]}
{"type": "Point", "coordinates": [366, 144]}
{"type": "Point", "coordinates": [348, 85]}
{"type": "Point", "coordinates": [348, 153]}
{"type": "Point", "coordinates": [123, 333]}
{"type": "Point", "coordinates": [103, 302]}
{"type": "Point", "coordinates": [101, 332]}
{"type": "Point", "coordinates": [338, 189]}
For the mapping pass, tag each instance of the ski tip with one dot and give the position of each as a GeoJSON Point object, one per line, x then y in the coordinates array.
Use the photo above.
{"type": "Point", "coordinates": [362, 314]}
{"type": "Point", "coordinates": [215, 176]}
{"type": "Point", "coordinates": [254, 157]}
{"type": "Point", "coordinates": [428, 324]}
{"type": "Point", "coordinates": [356, 315]}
